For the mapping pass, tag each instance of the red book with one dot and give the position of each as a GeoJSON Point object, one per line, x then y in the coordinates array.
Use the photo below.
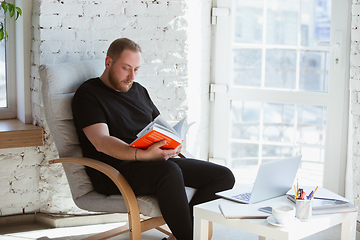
{"type": "Point", "coordinates": [159, 130]}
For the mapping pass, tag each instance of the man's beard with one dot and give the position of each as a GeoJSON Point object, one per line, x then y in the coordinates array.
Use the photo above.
{"type": "Point", "coordinates": [114, 81]}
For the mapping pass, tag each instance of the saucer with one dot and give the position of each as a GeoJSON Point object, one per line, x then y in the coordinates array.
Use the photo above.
{"type": "Point", "coordinates": [272, 221]}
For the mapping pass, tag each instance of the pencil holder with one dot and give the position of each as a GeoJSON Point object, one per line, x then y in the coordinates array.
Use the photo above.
{"type": "Point", "coordinates": [304, 209]}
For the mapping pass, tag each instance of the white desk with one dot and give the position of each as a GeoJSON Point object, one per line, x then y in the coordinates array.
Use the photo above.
{"type": "Point", "coordinates": [203, 213]}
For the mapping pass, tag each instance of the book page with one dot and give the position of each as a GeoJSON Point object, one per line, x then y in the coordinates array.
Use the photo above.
{"type": "Point", "coordinates": [161, 121]}
{"type": "Point", "coordinates": [166, 131]}
{"type": "Point", "coordinates": [185, 130]}
{"type": "Point", "coordinates": [180, 129]}
{"type": "Point", "coordinates": [147, 128]}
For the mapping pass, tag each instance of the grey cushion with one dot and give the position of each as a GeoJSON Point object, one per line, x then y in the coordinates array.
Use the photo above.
{"type": "Point", "coordinates": [59, 83]}
{"type": "Point", "coordinates": [97, 202]}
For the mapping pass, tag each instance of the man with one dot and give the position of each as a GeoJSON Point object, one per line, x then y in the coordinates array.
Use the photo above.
{"type": "Point", "coordinates": [108, 113]}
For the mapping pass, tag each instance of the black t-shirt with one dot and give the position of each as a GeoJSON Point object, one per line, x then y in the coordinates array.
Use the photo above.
{"type": "Point", "coordinates": [125, 113]}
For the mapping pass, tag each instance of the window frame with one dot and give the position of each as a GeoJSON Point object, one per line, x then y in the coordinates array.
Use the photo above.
{"type": "Point", "coordinates": [19, 67]}
{"type": "Point", "coordinates": [11, 110]}
{"type": "Point", "coordinates": [223, 92]}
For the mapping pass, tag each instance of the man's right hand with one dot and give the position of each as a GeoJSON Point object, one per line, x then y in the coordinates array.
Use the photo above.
{"type": "Point", "coordinates": [155, 153]}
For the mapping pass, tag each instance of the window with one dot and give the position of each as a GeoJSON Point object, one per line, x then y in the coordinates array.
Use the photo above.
{"type": "Point", "coordinates": [285, 67]}
{"type": "Point", "coordinates": [17, 58]}
{"type": "Point", "coordinates": [7, 71]}
{"type": "Point", "coordinates": [15, 101]}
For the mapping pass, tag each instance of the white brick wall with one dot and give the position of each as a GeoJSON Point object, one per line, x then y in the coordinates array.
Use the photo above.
{"type": "Point", "coordinates": [19, 180]}
{"type": "Point", "coordinates": [72, 30]}
{"type": "Point", "coordinates": [353, 176]}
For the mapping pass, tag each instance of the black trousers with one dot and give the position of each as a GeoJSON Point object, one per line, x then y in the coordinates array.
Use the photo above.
{"type": "Point", "coordinates": [167, 180]}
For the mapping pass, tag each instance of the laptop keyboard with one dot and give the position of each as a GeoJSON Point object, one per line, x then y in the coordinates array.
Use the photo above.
{"type": "Point", "coordinates": [243, 196]}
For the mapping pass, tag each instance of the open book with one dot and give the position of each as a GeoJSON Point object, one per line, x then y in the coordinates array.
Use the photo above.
{"type": "Point", "coordinates": [160, 129]}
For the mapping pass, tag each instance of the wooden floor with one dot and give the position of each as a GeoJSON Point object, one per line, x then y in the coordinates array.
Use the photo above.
{"type": "Point", "coordinates": [36, 231]}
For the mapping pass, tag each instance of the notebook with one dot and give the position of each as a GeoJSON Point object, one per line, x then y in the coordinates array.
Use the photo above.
{"type": "Point", "coordinates": [274, 178]}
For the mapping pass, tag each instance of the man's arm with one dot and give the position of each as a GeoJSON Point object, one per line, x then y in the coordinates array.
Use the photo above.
{"type": "Point", "coordinates": [98, 134]}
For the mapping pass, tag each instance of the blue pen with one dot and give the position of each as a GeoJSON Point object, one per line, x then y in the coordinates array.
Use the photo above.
{"type": "Point", "coordinates": [308, 197]}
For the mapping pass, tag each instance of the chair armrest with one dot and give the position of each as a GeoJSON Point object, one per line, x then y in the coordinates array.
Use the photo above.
{"type": "Point", "coordinates": [112, 173]}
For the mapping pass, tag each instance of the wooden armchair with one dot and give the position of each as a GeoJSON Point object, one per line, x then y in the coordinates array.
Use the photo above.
{"type": "Point", "coordinates": [59, 82]}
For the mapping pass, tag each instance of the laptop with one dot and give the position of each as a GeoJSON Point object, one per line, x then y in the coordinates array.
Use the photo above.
{"type": "Point", "coordinates": [274, 178]}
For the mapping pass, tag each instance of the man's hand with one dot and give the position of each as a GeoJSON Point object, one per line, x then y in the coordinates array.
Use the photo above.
{"type": "Point", "coordinates": [98, 135]}
{"type": "Point", "coordinates": [154, 152]}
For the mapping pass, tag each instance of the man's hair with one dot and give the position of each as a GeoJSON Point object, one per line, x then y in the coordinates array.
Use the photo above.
{"type": "Point", "coordinates": [117, 47]}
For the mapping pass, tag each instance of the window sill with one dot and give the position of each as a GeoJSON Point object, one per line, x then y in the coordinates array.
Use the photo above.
{"type": "Point", "coordinates": [14, 134]}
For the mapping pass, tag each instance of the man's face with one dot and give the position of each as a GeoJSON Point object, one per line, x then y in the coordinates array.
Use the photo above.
{"type": "Point", "coordinates": [122, 72]}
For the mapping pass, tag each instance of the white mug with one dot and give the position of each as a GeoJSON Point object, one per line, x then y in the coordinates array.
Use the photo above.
{"type": "Point", "coordinates": [283, 214]}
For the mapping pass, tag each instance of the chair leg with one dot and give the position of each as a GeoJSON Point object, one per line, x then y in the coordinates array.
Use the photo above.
{"type": "Point", "coordinates": [134, 226]}
{"type": "Point", "coordinates": [164, 229]}
{"type": "Point", "coordinates": [151, 223]}
{"type": "Point", "coordinates": [210, 234]}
